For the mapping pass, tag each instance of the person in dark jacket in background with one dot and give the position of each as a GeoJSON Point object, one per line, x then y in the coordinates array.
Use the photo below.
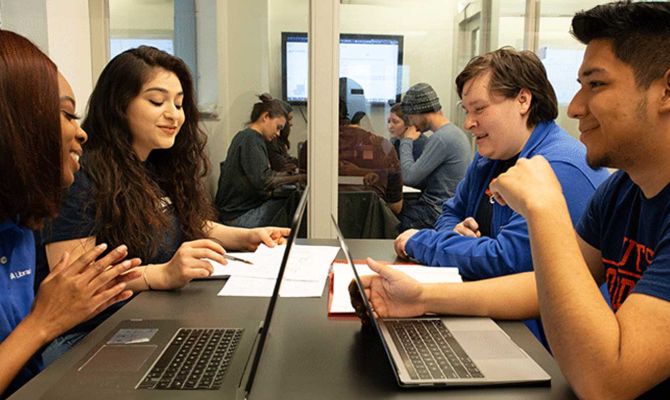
{"type": "Point", "coordinates": [244, 197]}
{"type": "Point", "coordinates": [278, 147]}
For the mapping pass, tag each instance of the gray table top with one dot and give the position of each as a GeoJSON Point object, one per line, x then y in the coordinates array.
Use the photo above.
{"type": "Point", "coordinates": [308, 355]}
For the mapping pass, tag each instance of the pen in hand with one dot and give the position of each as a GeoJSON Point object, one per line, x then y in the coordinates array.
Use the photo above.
{"type": "Point", "coordinates": [228, 256]}
{"type": "Point", "coordinates": [233, 258]}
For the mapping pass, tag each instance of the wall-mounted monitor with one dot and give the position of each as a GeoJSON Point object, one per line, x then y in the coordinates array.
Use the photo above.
{"type": "Point", "coordinates": [373, 61]}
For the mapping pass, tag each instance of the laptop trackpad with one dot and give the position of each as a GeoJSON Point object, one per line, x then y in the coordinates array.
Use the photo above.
{"type": "Point", "coordinates": [111, 358]}
{"type": "Point", "coordinates": [485, 345]}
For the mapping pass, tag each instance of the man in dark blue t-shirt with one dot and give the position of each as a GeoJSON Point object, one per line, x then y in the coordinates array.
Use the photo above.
{"type": "Point", "coordinates": [623, 238]}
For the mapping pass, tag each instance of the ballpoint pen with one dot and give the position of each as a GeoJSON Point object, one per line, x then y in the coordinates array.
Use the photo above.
{"type": "Point", "coordinates": [233, 258]}
{"type": "Point", "coordinates": [228, 256]}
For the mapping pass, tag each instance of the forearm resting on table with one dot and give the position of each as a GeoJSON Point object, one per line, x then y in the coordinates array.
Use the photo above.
{"type": "Point", "coordinates": [282, 179]}
{"type": "Point", "coordinates": [230, 237]}
{"type": "Point", "coordinates": [512, 297]}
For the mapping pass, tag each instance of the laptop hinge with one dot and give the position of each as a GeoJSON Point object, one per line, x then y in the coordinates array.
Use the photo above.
{"type": "Point", "coordinates": [245, 372]}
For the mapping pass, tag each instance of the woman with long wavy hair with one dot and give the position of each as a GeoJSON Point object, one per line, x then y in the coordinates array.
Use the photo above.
{"type": "Point", "coordinates": [142, 180]}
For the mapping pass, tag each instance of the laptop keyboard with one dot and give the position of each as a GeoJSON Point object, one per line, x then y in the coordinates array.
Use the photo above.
{"type": "Point", "coordinates": [430, 351]}
{"type": "Point", "coordinates": [194, 359]}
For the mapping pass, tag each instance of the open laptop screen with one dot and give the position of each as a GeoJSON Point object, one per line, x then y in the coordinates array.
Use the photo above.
{"type": "Point", "coordinates": [357, 278]}
{"type": "Point", "coordinates": [295, 226]}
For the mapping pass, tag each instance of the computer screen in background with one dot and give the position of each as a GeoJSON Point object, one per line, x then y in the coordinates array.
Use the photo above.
{"type": "Point", "coordinates": [373, 61]}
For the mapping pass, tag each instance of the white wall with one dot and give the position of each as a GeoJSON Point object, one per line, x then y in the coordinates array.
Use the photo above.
{"type": "Point", "coordinates": [61, 29]}
{"type": "Point", "coordinates": [128, 15]}
{"type": "Point", "coordinates": [243, 64]}
{"type": "Point", "coordinates": [554, 32]}
{"type": "Point", "coordinates": [427, 27]}
{"type": "Point", "coordinates": [70, 45]}
{"type": "Point", "coordinates": [26, 17]}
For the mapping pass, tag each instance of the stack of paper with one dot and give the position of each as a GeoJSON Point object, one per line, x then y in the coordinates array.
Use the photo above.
{"type": "Point", "coordinates": [343, 275]}
{"type": "Point", "coordinates": [305, 273]}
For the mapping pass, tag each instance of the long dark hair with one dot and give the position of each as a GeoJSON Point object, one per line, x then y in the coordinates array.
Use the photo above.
{"type": "Point", "coordinates": [129, 197]}
{"type": "Point", "coordinates": [286, 131]}
{"type": "Point", "coordinates": [30, 134]}
{"type": "Point", "coordinates": [397, 110]}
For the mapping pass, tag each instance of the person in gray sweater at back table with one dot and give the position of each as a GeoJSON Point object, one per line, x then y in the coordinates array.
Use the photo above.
{"type": "Point", "coordinates": [441, 166]}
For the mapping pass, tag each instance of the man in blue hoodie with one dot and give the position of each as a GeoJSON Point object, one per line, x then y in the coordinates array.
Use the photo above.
{"type": "Point", "coordinates": [511, 107]}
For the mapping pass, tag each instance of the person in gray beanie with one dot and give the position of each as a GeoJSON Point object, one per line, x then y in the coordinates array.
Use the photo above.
{"type": "Point", "coordinates": [420, 99]}
{"type": "Point", "coordinates": [442, 163]}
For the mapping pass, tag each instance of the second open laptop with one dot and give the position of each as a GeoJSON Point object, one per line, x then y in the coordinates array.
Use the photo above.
{"type": "Point", "coordinates": [205, 356]}
{"type": "Point", "coordinates": [449, 351]}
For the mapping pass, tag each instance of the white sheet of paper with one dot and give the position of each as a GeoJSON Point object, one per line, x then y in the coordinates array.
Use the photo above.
{"type": "Point", "coordinates": [409, 189]}
{"type": "Point", "coordinates": [262, 287]}
{"type": "Point", "coordinates": [247, 287]}
{"type": "Point", "coordinates": [291, 288]}
{"type": "Point", "coordinates": [350, 180]}
{"type": "Point", "coordinates": [342, 275]}
{"type": "Point", "coordinates": [305, 262]}
{"type": "Point", "coordinates": [305, 274]}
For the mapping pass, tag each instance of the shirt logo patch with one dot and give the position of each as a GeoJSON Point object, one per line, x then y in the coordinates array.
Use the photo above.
{"type": "Point", "coordinates": [20, 274]}
{"type": "Point", "coordinates": [623, 275]}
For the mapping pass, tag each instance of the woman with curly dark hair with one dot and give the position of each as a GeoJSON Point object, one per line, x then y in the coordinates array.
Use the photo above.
{"type": "Point", "coordinates": [141, 181]}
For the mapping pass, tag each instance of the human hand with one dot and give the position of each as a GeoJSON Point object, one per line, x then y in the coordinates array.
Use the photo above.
{"type": "Point", "coordinates": [401, 241]}
{"type": "Point", "coordinates": [391, 293]}
{"type": "Point", "coordinates": [291, 168]}
{"type": "Point", "coordinates": [189, 262]}
{"type": "Point", "coordinates": [268, 235]}
{"type": "Point", "coordinates": [468, 228]}
{"type": "Point", "coordinates": [529, 185]}
{"type": "Point", "coordinates": [347, 168]}
{"type": "Point", "coordinates": [371, 178]}
{"type": "Point", "coordinates": [411, 133]}
{"type": "Point", "coordinates": [73, 293]}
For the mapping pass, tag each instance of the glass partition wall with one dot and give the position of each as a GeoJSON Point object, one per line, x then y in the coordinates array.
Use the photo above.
{"type": "Point", "coordinates": [237, 50]}
{"type": "Point", "coordinates": [438, 38]}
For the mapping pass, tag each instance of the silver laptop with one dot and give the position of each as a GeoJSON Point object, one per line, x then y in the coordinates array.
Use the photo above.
{"type": "Point", "coordinates": [193, 357]}
{"type": "Point", "coordinates": [453, 351]}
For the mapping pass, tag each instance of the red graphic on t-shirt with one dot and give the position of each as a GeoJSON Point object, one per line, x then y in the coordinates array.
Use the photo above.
{"type": "Point", "coordinates": [622, 276]}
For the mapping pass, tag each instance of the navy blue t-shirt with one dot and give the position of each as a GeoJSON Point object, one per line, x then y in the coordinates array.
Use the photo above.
{"type": "Point", "coordinates": [17, 269]}
{"type": "Point", "coordinates": [633, 235]}
{"type": "Point", "coordinates": [76, 220]}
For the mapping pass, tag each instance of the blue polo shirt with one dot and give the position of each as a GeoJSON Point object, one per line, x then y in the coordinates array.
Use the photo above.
{"type": "Point", "coordinates": [17, 270]}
